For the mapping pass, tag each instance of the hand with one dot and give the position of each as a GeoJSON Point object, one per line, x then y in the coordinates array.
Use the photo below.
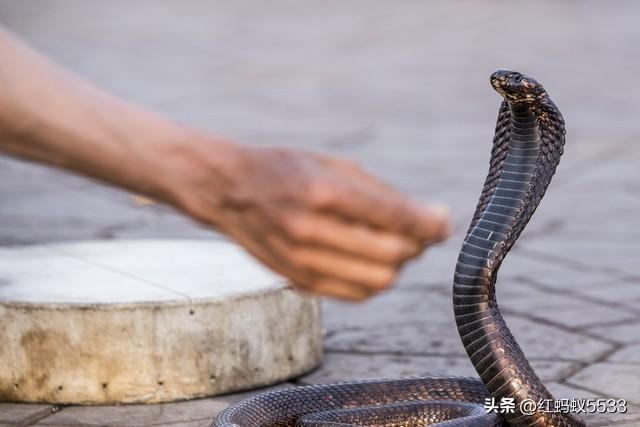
{"type": "Point", "coordinates": [323, 223]}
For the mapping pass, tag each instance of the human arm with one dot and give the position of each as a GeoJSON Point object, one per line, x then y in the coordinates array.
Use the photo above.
{"type": "Point", "coordinates": [322, 222]}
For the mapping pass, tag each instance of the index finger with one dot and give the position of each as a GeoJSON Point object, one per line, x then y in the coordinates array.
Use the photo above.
{"type": "Point", "coordinates": [383, 207]}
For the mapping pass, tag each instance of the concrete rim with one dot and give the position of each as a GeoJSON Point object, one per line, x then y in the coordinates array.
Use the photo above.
{"type": "Point", "coordinates": [154, 351]}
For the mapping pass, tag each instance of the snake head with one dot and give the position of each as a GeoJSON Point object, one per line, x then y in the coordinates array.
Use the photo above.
{"type": "Point", "coordinates": [516, 87]}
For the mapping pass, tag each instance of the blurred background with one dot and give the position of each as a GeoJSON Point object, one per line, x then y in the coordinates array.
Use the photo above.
{"type": "Point", "coordinates": [402, 87]}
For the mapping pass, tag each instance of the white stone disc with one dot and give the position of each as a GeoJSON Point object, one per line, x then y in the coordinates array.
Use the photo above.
{"type": "Point", "coordinates": [147, 321]}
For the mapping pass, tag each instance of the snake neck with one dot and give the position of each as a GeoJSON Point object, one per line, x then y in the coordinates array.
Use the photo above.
{"type": "Point", "coordinates": [535, 139]}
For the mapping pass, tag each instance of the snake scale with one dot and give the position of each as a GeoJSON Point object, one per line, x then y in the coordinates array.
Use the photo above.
{"type": "Point", "coordinates": [527, 146]}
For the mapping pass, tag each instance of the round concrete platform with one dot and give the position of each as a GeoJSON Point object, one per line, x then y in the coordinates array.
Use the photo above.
{"type": "Point", "coordinates": [147, 321]}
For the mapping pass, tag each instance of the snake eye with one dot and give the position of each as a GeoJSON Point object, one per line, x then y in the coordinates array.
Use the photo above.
{"type": "Point", "coordinates": [517, 77]}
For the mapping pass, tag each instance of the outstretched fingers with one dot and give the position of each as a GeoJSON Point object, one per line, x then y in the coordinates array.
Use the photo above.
{"type": "Point", "coordinates": [382, 207]}
{"type": "Point", "coordinates": [324, 223]}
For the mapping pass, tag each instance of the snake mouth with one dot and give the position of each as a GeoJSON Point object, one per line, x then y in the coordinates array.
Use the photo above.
{"type": "Point", "coordinates": [498, 88]}
{"type": "Point", "coordinates": [517, 87]}
{"type": "Point", "coordinates": [502, 75]}
{"type": "Point", "coordinates": [500, 79]}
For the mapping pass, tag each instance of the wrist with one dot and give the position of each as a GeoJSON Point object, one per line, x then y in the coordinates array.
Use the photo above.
{"type": "Point", "coordinates": [198, 173]}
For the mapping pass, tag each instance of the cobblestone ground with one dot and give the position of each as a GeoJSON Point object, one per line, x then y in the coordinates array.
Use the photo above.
{"type": "Point", "coordinates": [403, 88]}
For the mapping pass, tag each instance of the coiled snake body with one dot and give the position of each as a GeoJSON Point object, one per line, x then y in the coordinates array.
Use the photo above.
{"type": "Point", "coordinates": [527, 146]}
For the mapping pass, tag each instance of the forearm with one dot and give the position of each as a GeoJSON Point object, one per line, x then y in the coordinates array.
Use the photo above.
{"type": "Point", "coordinates": [51, 116]}
{"type": "Point", "coordinates": [322, 222]}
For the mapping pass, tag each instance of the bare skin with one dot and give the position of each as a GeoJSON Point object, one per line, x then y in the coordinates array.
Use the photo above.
{"type": "Point", "coordinates": [322, 222]}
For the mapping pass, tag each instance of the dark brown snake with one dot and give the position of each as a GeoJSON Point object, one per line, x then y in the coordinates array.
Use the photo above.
{"type": "Point", "coordinates": [527, 146]}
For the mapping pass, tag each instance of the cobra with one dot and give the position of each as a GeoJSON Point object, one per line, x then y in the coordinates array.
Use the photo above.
{"type": "Point", "coordinates": [527, 146]}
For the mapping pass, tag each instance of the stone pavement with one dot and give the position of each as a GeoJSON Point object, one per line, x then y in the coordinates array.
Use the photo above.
{"type": "Point", "coordinates": [401, 87]}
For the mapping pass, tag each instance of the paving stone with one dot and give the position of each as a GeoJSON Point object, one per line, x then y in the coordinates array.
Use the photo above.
{"type": "Point", "coordinates": [549, 342]}
{"type": "Point", "coordinates": [629, 354]}
{"type": "Point", "coordinates": [551, 272]}
{"type": "Point", "coordinates": [573, 314]}
{"type": "Point", "coordinates": [631, 424]}
{"type": "Point", "coordinates": [203, 423]}
{"type": "Point", "coordinates": [613, 221]}
{"type": "Point", "coordinates": [391, 323]}
{"type": "Point", "coordinates": [630, 418]}
{"type": "Point", "coordinates": [555, 291]}
{"type": "Point", "coordinates": [623, 294]}
{"type": "Point", "coordinates": [390, 308]}
{"type": "Point", "coordinates": [415, 324]}
{"type": "Point", "coordinates": [565, 391]}
{"type": "Point", "coordinates": [564, 309]}
{"type": "Point", "coordinates": [97, 207]}
{"type": "Point", "coordinates": [626, 333]}
{"type": "Point", "coordinates": [599, 255]}
{"type": "Point", "coordinates": [197, 411]}
{"type": "Point", "coordinates": [16, 412]}
{"type": "Point", "coordinates": [136, 415]}
{"type": "Point", "coordinates": [613, 379]}
{"type": "Point", "coordinates": [25, 177]}
{"type": "Point", "coordinates": [435, 266]}
{"type": "Point", "coordinates": [517, 291]}
{"type": "Point", "coordinates": [350, 367]}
